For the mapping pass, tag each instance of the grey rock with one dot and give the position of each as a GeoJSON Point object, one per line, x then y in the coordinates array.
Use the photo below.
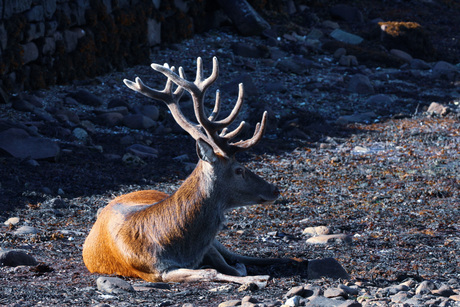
{"type": "Point", "coordinates": [349, 290]}
{"type": "Point", "coordinates": [111, 119]}
{"type": "Point", "coordinates": [35, 14]}
{"type": "Point", "coordinates": [402, 55]}
{"type": "Point", "coordinates": [12, 221]}
{"type": "Point", "coordinates": [43, 115]}
{"type": "Point", "coordinates": [138, 121]}
{"type": "Point", "coordinates": [30, 52]}
{"type": "Point", "coordinates": [327, 267]}
{"type": "Point", "coordinates": [445, 70]}
{"type": "Point", "coordinates": [379, 100]}
{"type": "Point", "coordinates": [15, 258]}
{"type": "Point", "coordinates": [26, 230]}
{"type": "Point", "coordinates": [49, 46]}
{"type": "Point", "coordinates": [437, 109]}
{"type": "Point", "coordinates": [317, 230]}
{"type": "Point", "coordinates": [299, 291]}
{"type": "Point", "coordinates": [419, 64]}
{"type": "Point", "coordinates": [113, 285]}
{"type": "Point", "coordinates": [425, 287]}
{"type": "Point", "coordinates": [346, 37]}
{"type": "Point", "coordinates": [340, 52]}
{"type": "Point", "coordinates": [151, 111]}
{"type": "Point", "coordinates": [348, 60]}
{"type": "Point", "coordinates": [335, 292]}
{"type": "Point", "coordinates": [244, 17]}
{"type": "Point", "coordinates": [80, 134]}
{"type": "Point", "coordinates": [293, 301]}
{"type": "Point", "coordinates": [20, 144]}
{"type": "Point", "coordinates": [291, 65]}
{"type": "Point", "coordinates": [321, 301]}
{"type": "Point", "coordinates": [13, 7]}
{"type": "Point", "coordinates": [143, 151]}
{"type": "Point", "coordinates": [360, 84]}
{"type": "Point", "coordinates": [400, 297]}
{"type": "Point", "coordinates": [35, 30]}
{"type": "Point", "coordinates": [86, 98]}
{"type": "Point", "coordinates": [22, 105]}
{"type": "Point", "coordinates": [230, 303]}
{"type": "Point", "coordinates": [49, 8]}
{"type": "Point", "coordinates": [329, 238]}
{"type": "Point", "coordinates": [444, 290]}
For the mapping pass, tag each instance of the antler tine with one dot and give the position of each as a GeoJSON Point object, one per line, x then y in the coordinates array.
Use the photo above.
{"type": "Point", "coordinates": [258, 133]}
{"type": "Point", "coordinates": [216, 110]}
{"type": "Point", "coordinates": [234, 133]}
{"type": "Point", "coordinates": [236, 109]}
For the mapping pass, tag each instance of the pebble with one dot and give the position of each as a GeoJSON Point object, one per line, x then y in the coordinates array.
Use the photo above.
{"type": "Point", "coordinates": [293, 301]}
{"type": "Point", "coordinates": [346, 37]}
{"type": "Point", "coordinates": [324, 239]}
{"type": "Point", "coordinates": [335, 292]}
{"type": "Point", "coordinates": [12, 221]}
{"type": "Point", "coordinates": [16, 258]}
{"type": "Point", "coordinates": [425, 287]}
{"type": "Point", "coordinates": [230, 303]}
{"type": "Point", "coordinates": [113, 285]}
{"type": "Point", "coordinates": [138, 121]}
{"type": "Point", "coordinates": [446, 70]}
{"type": "Point", "coordinates": [360, 84]}
{"type": "Point", "coordinates": [317, 230]}
{"type": "Point", "coordinates": [402, 55]}
{"type": "Point", "coordinates": [443, 290]}
{"type": "Point", "coordinates": [26, 230]}
{"type": "Point", "coordinates": [86, 98]}
{"type": "Point", "coordinates": [142, 151]}
{"type": "Point", "coordinates": [437, 109]}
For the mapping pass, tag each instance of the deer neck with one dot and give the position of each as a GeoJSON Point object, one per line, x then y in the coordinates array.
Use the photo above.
{"type": "Point", "coordinates": [194, 210]}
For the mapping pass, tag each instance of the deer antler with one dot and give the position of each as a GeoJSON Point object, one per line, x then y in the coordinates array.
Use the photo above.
{"type": "Point", "coordinates": [208, 127]}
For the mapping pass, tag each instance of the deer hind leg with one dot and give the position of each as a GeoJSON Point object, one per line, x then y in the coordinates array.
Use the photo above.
{"type": "Point", "coordinates": [211, 275]}
{"type": "Point", "coordinates": [235, 258]}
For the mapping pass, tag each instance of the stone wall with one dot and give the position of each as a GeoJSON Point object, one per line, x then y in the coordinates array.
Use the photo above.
{"type": "Point", "coordinates": [47, 42]}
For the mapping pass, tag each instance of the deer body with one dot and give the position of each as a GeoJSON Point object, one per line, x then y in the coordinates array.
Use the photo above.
{"type": "Point", "coordinates": [157, 237]}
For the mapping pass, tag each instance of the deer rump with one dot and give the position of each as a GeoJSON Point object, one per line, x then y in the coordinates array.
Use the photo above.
{"type": "Point", "coordinates": [157, 237]}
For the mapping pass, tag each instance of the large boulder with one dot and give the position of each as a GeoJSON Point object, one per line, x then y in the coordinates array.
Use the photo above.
{"type": "Point", "coordinates": [18, 143]}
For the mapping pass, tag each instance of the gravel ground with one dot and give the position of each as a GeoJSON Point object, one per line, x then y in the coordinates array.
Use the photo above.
{"type": "Point", "coordinates": [389, 185]}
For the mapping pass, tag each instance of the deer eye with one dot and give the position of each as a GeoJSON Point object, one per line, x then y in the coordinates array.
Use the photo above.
{"type": "Point", "coordinates": [239, 171]}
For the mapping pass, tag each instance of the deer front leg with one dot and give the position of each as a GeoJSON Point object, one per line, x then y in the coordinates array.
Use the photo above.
{"type": "Point", "coordinates": [216, 260]}
{"type": "Point", "coordinates": [190, 275]}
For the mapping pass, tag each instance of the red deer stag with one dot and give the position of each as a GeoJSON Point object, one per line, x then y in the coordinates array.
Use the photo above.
{"type": "Point", "coordinates": [170, 238]}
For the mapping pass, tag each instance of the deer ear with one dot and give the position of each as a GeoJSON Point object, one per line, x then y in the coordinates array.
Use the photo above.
{"type": "Point", "coordinates": [205, 151]}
